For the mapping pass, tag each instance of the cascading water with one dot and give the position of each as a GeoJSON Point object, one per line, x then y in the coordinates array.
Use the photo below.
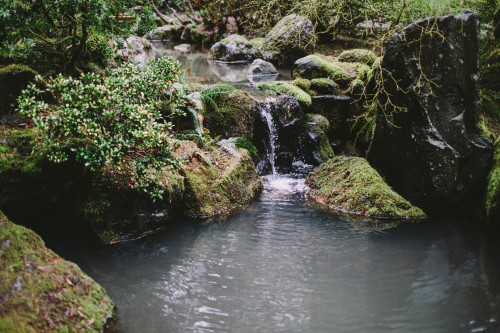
{"type": "Point", "coordinates": [273, 135]}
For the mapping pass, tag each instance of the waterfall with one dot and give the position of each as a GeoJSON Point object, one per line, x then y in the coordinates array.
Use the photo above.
{"type": "Point", "coordinates": [273, 135]}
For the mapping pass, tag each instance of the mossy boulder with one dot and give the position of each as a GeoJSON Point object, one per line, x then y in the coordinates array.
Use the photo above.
{"type": "Point", "coordinates": [315, 66]}
{"type": "Point", "coordinates": [314, 147]}
{"type": "Point", "coordinates": [13, 79]}
{"type": "Point", "coordinates": [233, 48]}
{"type": "Point", "coordinates": [351, 185]}
{"type": "Point", "coordinates": [289, 89]}
{"type": "Point", "coordinates": [41, 292]}
{"type": "Point", "coordinates": [358, 55]}
{"type": "Point", "coordinates": [170, 32]}
{"type": "Point", "coordinates": [257, 42]}
{"type": "Point", "coordinates": [231, 115]}
{"type": "Point", "coordinates": [292, 38]}
{"type": "Point", "coordinates": [218, 182]}
{"type": "Point", "coordinates": [493, 189]}
{"type": "Point", "coordinates": [325, 86]}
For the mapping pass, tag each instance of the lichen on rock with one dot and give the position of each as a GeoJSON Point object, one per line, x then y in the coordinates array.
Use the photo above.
{"type": "Point", "coordinates": [42, 292]}
{"type": "Point", "coordinates": [351, 185]}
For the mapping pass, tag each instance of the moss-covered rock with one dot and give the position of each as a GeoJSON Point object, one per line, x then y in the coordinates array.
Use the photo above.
{"type": "Point", "coordinates": [289, 89]}
{"type": "Point", "coordinates": [315, 66]}
{"type": "Point", "coordinates": [41, 292]}
{"type": "Point", "coordinates": [325, 86]}
{"type": "Point", "coordinates": [233, 115]}
{"type": "Point", "coordinates": [292, 37]}
{"type": "Point", "coordinates": [13, 79]}
{"type": "Point", "coordinates": [219, 181]}
{"type": "Point", "coordinates": [257, 42]}
{"type": "Point", "coordinates": [358, 55]}
{"type": "Point", "coordinates": [351, 185]}
{"type": "Point", "coordinates": [314, 144]}
{"type": "Point", "coordinates": [168, 32]}
{"type": "Point", "coordinates": [493, 190]}
{"type": "Point", "coordinates": [234, 48]}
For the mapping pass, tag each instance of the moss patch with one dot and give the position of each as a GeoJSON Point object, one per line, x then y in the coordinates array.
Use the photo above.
{"type": "Point", "coordinates": [316, 66]}
{"type": "Point", "coordinates": [16, 148]}
{"type": "Point", "coordinates": [325, 86]}
{"type": "Point", "coordinates": [42, 292]}
{"type": "Point", "coordinates": [350, 184]}
{"type": "Point", "coordinates": [358, 55]}
{"type": "Point", "coordinates": [257, 42]}
{"type": "Point", "coordinates": [217, 182]}
{"type": "Point", "coordinates": [288, 89]}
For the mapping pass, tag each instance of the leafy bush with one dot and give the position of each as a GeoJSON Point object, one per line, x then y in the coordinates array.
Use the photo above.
{"type": "Point", "coordinates": [118, 122]}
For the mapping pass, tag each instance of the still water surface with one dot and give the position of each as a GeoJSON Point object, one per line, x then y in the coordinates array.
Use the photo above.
{"type": "Point", "coordinates": [283, 265]}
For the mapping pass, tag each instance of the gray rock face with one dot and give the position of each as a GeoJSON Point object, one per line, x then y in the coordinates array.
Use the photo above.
{"type": "Point", "coordinates": [434, 155]}
{"type": "Point", "coordinates": [292, 38]}
{"type": "Point", "coordinates": [261, 67]}
{"type": "Point", "coordinates": [234, 48]}
{"type": "Point", "coordinates": [136, 49]}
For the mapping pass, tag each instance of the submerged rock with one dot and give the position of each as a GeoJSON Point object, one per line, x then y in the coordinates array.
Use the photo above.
{"type": "Point", "coordinates": [40, 291]}
{"type": "Point", "coordinates": [292, 38]}
{"type": "Point", "coordinates": [351, 185]}
{"type": "Point", "coordinates": [430, 148]}
{"type": "Point", "coordinates": [234, 48]}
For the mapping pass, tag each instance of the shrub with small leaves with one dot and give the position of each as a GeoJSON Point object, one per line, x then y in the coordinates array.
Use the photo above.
{"type": "Point", "coordinates": [119, 120]}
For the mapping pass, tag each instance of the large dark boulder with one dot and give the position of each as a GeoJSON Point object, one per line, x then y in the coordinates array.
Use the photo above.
{"type": "Point", "coordinates": [429, 148]}
{"type": "Point", "coordinates": [234, 48]}
{"type": "Point", "coordinates": [13, 79]}
{"type": "Point", "coordinates": [292, 38]}
{"type": "Point", "coordinates": [314, 146]}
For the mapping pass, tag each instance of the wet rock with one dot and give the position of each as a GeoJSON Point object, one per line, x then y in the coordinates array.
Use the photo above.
{"type": "Point", "coordinates": [431, 150]}
{"type": "Point", "coordinates": [340, 112]}
{"type": "Point", "coordinates": [40, 289]}
{"type": "Point", "coordinates": [164, 33]}
{"type": "Point", "coordinates": [233, 48]}
{"type": "Point", "coordinates": [13, 79]}
{"type": "Point", "coordinates": [261, 67]}
{"type": "Point", "coordinates": [351, 185]}
{"type": "Point", "coordinates": [292, 38]}
{"type": "Point", "coordinates": [279, 118]}
{"type": "Point", "coordinates": [314, 146]}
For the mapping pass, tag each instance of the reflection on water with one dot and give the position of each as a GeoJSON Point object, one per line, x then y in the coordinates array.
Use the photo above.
{"type": "Point", "coordinates": [205, 71]}
{"type": "Point", "coordinates": [282, 265]}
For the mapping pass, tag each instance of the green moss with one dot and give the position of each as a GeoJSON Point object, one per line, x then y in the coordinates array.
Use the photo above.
{"type": "Point", "coordinates": [323, 68]}
{"type": "Point", "coordinates": [218, 182]}
{"type": "Point", "coordinates": [16, 68]}
{"type": "Point", "coordinates": [303, 84]}
{"type": "Point", "coordinates": [288, 89]}
{"type": "Point", "coordinates": [42, 292]}
{"type": "Point", "coordinates": [351, 185]}
{"type": "Point", "coordinates": [493, 189]}
{"type": "Point", "coordinates": [318, 126]}
{"type": "Point", "coordinates": [16, 150]}
{"type": "Point", "coordinates": [359, 70]}
{"type": "Point", "coordinates": [358, 55]}
{"type": "Point", "coordinates": [257, 42]}
{"type": "Point", "coordinates": [325, 86]}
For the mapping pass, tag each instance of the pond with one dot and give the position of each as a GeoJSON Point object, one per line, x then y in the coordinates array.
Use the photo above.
{"type": "Point", "coordinates": [286, 265]}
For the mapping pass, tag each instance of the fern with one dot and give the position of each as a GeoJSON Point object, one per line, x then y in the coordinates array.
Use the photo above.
{"type": "Point", "coordinates": [213, 92]}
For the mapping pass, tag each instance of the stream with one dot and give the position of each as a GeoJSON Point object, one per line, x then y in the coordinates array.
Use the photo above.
{"type": "Point", "coordinates": [286, 265]}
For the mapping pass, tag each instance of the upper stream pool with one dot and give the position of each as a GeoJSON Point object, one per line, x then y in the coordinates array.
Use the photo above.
{"type": "Point", "coordinates": [286, 265]}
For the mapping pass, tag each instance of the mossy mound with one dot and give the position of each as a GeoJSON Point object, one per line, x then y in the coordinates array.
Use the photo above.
{"type": "Point", "coordinates": [13, 79]}
{"type": "Point", "coordinates": [218, 181]}
{"type": "Point", "coordinates": [351, 185]}
{"type": "Point", "coordinates": [315, 67]}
{"type": "Point", "coordinates": [42, 292]}
{"type": "Point", "coordinates": [231, 115]}
{"type": "Point", "coordinates": [358, 55]}
{"type": "Point", "coordinates": [289, 89]}
{"type": "Point", "coordinates": [325, 86]}
{"type": "Point", "coordinates": [493, 191]}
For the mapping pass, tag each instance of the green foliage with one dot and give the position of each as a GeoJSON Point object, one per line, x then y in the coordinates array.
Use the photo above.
{"type": "Point", "coordinates": [211, 93]}
{"type": "Point", "coordinates": [146, 20]}
{"type": "Point", "coordinates": [245, 144]}
{"type": "Point", "coordinates": [118, 119]}
{"type": "Point", "coordinates": [60, 35]}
